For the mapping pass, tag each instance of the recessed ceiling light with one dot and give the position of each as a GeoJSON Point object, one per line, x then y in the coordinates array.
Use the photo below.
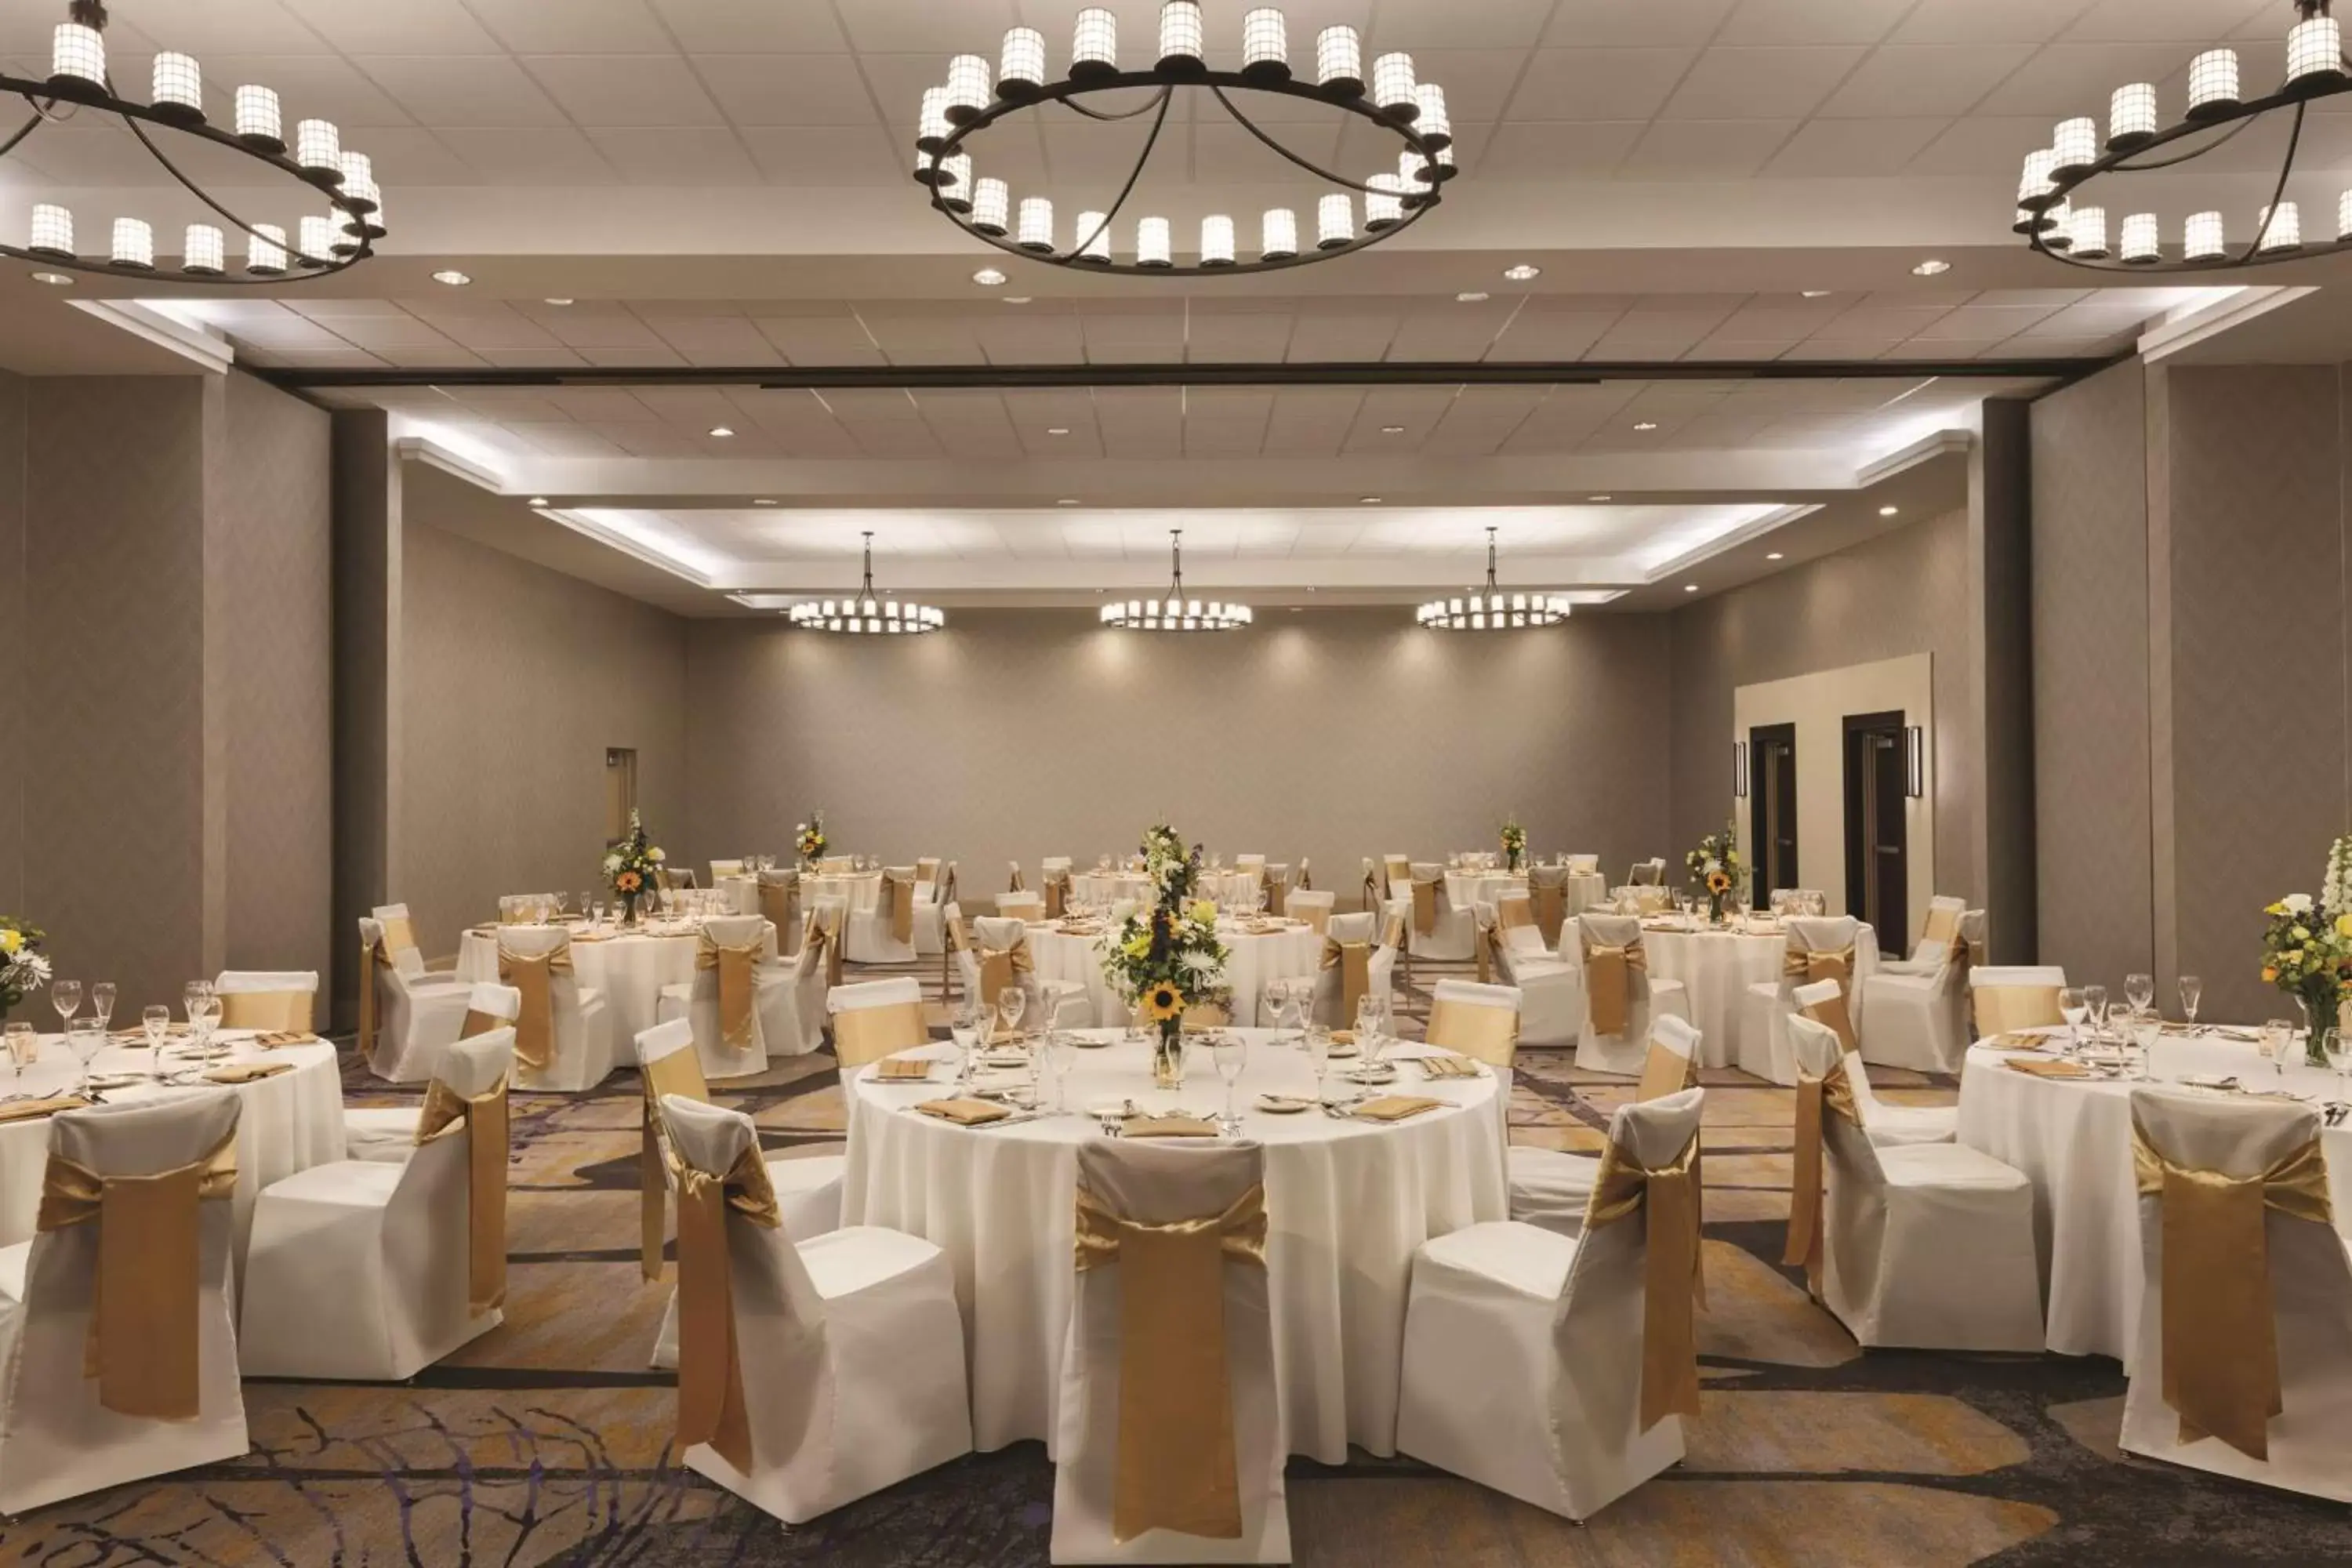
{"type": "Point", "coordinates": [1057, 429]}
{"type": "Point", "coordinates": [1368, 500]}
{"type": "Point", "coordinates": [988, 278]}
{"type": "Point", "coordinates": [1931, 267]}
{"type": "Point", "coordinates": [722, 431]}
{"type": "Point", "coordinates": [1645, 424]}
{"type": "Point", "coordinates": [1067, 500]}
{"type": "Point", "coordinates": [1774, 557]}
{"type": "Point", "coordinates": [1391, 429]}
{"type": "Point", "coordinates": [1469, 297]}
{"type": "Point", "coordinates": [1690, 588]}
{"type": "Point", "coordinates": [1522, 272]}
{"type": "Point", "coordinates": [54, 279]}
{"type": "Point", "coordinates": [1888, 510]}
{"type": "Point", "coordinates": [452, 276]}
{"type": "Point", "coordinates": [1599, 498]}
{"type": "Point", "coordinates": [537, 500]}
{"type": "Point", "coordinates": [555, 299]}
{"type": "Point", "coordinates": [1018, 299]}
{"type": "Point", "coordinates": [1813, 293]}
{"type": "Point", "coordinates": [762, 500]}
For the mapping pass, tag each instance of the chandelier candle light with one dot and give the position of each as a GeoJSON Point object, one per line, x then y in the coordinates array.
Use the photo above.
{"type": "Point", "coordinates": [79, 91]}
{"type": "Point", "coordinates": [975, 97]}
{"type": "Point", "coordinates": [1176, 613]}
{"type": "Point", "coordinates": [867, 614]}
{"type": "Point", "coordinates": [1493, 610]}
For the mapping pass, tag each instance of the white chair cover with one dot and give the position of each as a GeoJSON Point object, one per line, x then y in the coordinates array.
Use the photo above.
{"type": "Point", "coordinates": [1312, 905]}
{"type": "Point", "coordinates": [417, 1015]}
{"type": "Point", "coordinates": [1380, 969]}
{"type": "Point", "coordinates": [1052, 1004]}
{"type": "Point", "coordinates": [1647, 874]}
{"type": "Point", "coordinates": [782, 994]}
{"type": "Point", "coordinates": [1919, 1009]}
{"type": "Point", "coordinates": [1455, 931]}
{"type": "Point", "coordinates": [1550, 1188]}
{"type": "Point", "coordinates": [389, 1132]}
{"type": "Point", "coordinates": [1646, 995]}
{"type": "Point", "coordinates": [1551, 1009]}
{"type": "Point", "coordinates": [1887, 1124]}
{"type": "Point", "coordinates": [582, 1056]}
{"type": "Point", "coordinates": [1763, 1046]}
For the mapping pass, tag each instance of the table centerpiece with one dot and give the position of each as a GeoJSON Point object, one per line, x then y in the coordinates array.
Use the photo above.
{"type": "Point", "coordinates": [633, 866]}
{"type": "Point", "coordinates": [1165, 958]}
{"type": "Point", "coordinates": [2307, 951]}
{"type": "Point", "coordinates": [1717, 871]}
{"type": "Point", "coordinates": [1515, 844]}
{"type": "Point", "coordinates": [809, 840]}
{"type": "Point", "coordinates": [24, 967]}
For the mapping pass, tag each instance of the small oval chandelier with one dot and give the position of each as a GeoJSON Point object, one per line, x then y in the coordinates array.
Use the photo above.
{"type": "Point", "coordinates": [1493, 610]}
{"type": "Point", "coordinates": [79, 82]}
{"type": "Point", "coordinates": [867, 614]}
{"type": "Point", "coordinates": [1176, 613]}
{"type": "Point", "coordinates": [2056, 221]}
{"type": "Point", "coordinates": [977, 95]}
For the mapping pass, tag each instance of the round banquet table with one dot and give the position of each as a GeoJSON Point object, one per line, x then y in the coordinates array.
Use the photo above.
{"type": "Point", "coordinates": [1347, 1201]}
{"type": "Point", "coordinates": [629, 968]}
{"type": "Point", "coordinates": [1585, 892]}
{"type": "Point", "coordinates": [1716, 967]}
{"type": "Point", "coordinates": [1288, 951]}
{"type": "Point", "coordinates": [1465, 890]}
{"type": "Point", "coordinates": [2071, 1137]}
{"type": "Point", "coordinates": [291, 1120]}
{"type": "Point", "coordinates": [1109, 887]}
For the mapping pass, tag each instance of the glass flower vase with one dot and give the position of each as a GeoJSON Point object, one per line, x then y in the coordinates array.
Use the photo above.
{"type": "Point", "coordinates": [1167, 1055]}
{"type": "Point", "coordinates": [2320, 1016]}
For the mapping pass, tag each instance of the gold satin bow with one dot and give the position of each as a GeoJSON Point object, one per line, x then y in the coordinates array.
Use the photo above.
{"type": "Point", "coordinates": [1833, 1095]}
{"type": "Point", "coordinates": [484, 1118]}
{"type": "Point", "coordinates": [147, 1278]}
{"type": "Point", "coordinates": [1003, 966]}
{"type": "Point", "coordinates": [1057, 895]}
{"type": "Point", "coordinates": [1176, 1465]}
{"type": "Point", "coordinates": [534, 974]}
{"type": "Point", "coordinates": [2220, 1332]}
{"type": "Point", "coordinates": [1547, 903]}
{"type": "Point", "coordinates": [1353, 960]}
{"type": "Point", "coordinates": [1668, 1198]}
{"type": "Point", "coordinates": [1666, 1072]}
{"type": "Point", "coordinates": [711, 1406]}
{"type": "Point", "coordinates": [864, 1034]}
{"type": "Point", "coordinates": [477, 1023]}
{"type": "Point", "coordinates": [1805, 966]}
{"type": "Point", "coordinates": [678, 1073]}
{"type": "Point", "coordinates": [896, 904]}
{"type": "Point", "coordinates": [818, 937]}
{"type": "Point", "coordinates": [1489, 1034]}
{"type": "Point", "coordinates": [1609, 982]}
{"type": "Point", "coordinates": [777, 900]}
{"type": "Point", "coordinates": [266, 1010]}
{"type": "Point", "coordinates": [1424, 907]}
{"type": "Point", "coordinates": [372, 956]}
{"type": "Point", "coordinates": [736, 967]}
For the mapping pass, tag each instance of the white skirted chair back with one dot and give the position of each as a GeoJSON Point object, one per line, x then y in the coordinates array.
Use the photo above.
{"type": "Point", "coordinates": [1396, 871]}
{"type": "Point", "coordinates": [725, 868]}
{"type": "Point", "coordinates": [1584, 864]}
{"type": "Point", "coordinates": [1547, 900]}
{"type": "Point", "coordinates": [885, 931]}
{"type": "Point", "coordinates": [562, 1035]}
{"type": "Point", "coordinates": [734, 989]}
{"type": "Point", "coordinates": [875, 1018]}
{"type": "Point", "coordinates": [1171, 1445]}
{"type": "Point", "coordinates": [1054, 885]}
{"type": "Point", "coordinates": [399, 931]}
{"type": "Point", "coordinates": [1647, 874]}
{"type": "Point", "coordinates": [2015, 996]}
{"type": "Point", "coordinates": [1353, 964]}
{"type": "Point", "coordinates": [1940, 929]}
{"type": "Point", "coordinates": [1439, 931]}
{"type": "Point", "coordinates": [1014, 882]}
{"type": "Point", "coordinates": [1672, 1064]}
{"type": "Point", "coordinates": [1918, 1008]}
{"type": "Point", "coordinates": [1028, 907]}
{"type": "Point", "coordinates": [405, 1016]}
{"type": "Point", "coordinates": [1822, 947]}
{"type": "Point", "coordinates": [1481, 1022]}
{"type": "Point", "coordinates": [2244, 1358]}
{"type": "Point", "coordinates": [134, 1372]}
{"type": "Point", "coordinates": [780, 903]}
{"type": "Point", "coordinates": [274, 1000]}
{"type": "Point", "coordinates": [1314, 908]}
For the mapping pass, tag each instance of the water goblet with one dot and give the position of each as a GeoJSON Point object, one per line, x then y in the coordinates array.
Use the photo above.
{"type": "Point", "coordinates": [2277, 1039]}
{"type": "Point", "coordinates": [2095, 998]}
{"type": "Point", "coordinates": [587, 906]}
{"type": "Point", "coordinates": [1011, 1003]}
{"type": "Point", "coordinates": [1229, 1053]}
{"type": "Point", "coordinates": [2140, 989]}
{"type": "Point", "coordinates": [2073, 1007]}
{"type": "Point", "coordinates": [2146, 1025]}
{"type": "Point", "coordinates": [969, 1031]}
{"type": "Point", "coordinates": [85, 1039]}
{"type": "Point", "coordinates": [1319, 1054]}
{"type": "Point", "coordinates": [155, 1023]}
{"type": "Point", "coordinates": [1054, 1057]}
{"type": "Point", "coordinates": [2192, 991]}
{"type": "Point", "coordinates": [64, 996]}
{"type": "Point", "coordinates": [2339, 1057]}
{"type": "Point", "coordinates": [204, 1020]}
{"type": "Point", "coordinates": [23, 1045]}
{"type": "Point", "coordinates": [102, 1002]}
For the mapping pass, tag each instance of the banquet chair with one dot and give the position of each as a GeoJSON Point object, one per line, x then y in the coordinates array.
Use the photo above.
{"type": "Point", "coordinates": [674, 878]}
{"type": "Point", "coordinates": [822, 931]}
{"type": "Point", "coordinates": [1275, 876]}
{"type": "Point", "coordinates": [266, 999]}
{"type": "Point", "coordinates": [1052, 1004]}
{"type": "Point", "coordinates": [2253, 1382]}
{"type": "Point", "coordinates": [1926, 1245]}
{"type": "Point", "coordinates": [63, 1429]}
{"type": "Point", "coordinates": [1054, 885]}
{"type": "Point", "coordinates": [933, 895]}
{"type": "Point", "coordinates": [1620, 994]}
{"type": "Point", "coordinates": [1014, 884]}
{"type": "Point", "coordinates": [1584, 864]}
{"type": "Point", "coordinates": [1918, 1014]}
{"type": "Point", "coordinates": [1647, 874]}
{"type": "Point", "coordinates": [1345, 936]}
{"type": "Point", "coordinates": [1025, 907]}
{"type": "Point", "coordinates": [374, 1269]}
{"type": "Point", "coordinates": [1530, 1366]}
{"type": "Point", "coordinates": [389, 1132]}
{"type": "Point", "coordinates": [780, 899]}
{"type": "Point", "coordinates": [811, 1372]}
{"type": "Point", "coordinates": [407, 1017]}
{"type": "Point", "coordinates": [1548, 901]}
{"type": "Point", "coordinates": [723, 869]}
{"type": "Point", "coordinates": [1551, 986]}
{"type": "Point", "coordinates": [1314, 908]}
{"type": "Point", "coordinates": [1439, 929]}
{"type": "Point", "coordinates": [575, 1030]}
{"type": "Point", "coordinates": [897, 1025]}
{"type": "Point", "coordinates": [400, 933]}
{"type": "Point", "coordinates": [2014, 997]}
{"type": "Point", "coordinates": [1936, 935]}
{"type": "Point", "coordinates": [1170, 1445]}
{"type": "Point", "coordinates": [1817, 948]}
{"type": "Point", "coordinates": [1481, 1022]}
{"type": "Point", "coordinates": [1887, 1124]}
{"type": "Point", "coordinates": [1551, 1188]}
{"type": "Point", "coordinates": [781, 1006]}
{"type": "Point", "coordinates": [886, 932]}
{"type": "Point", "coordinates": [1396, 871]}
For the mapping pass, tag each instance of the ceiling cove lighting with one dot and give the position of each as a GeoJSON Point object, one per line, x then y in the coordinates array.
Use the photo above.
{"type": "Point", "coordinates": [1492, 610]}
{"type": "Point", "coordinates": [1224, 73]}
{"type": "Point", "coordinates": [2217, 106]}
{"type": "Point", "coordinates": [867, 614]}
{"type": "Point", "coordinates": [1178, 612]}
{"type": "Point", "coordinates": [79, 89]}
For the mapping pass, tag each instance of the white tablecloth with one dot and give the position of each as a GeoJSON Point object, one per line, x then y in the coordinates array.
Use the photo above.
{"type": "Point", "coordinates": [1716, 967]}
{"type": "Point", "coordinates": [290, 1121]}
{"type": "Point", "coordinates": [1465, 890]}
{"type": "Point", "coordinates": [2073, 1139]}
{"type": "Point", "coordinates": [743, 892]}
{"type": "Point", "coordinates": [1348, 1201]}
{"type": "Point", "coordinates": [629, 969]}
{"type": "Point", "coordinates": [861, 888]}
{"type": "Point", "coordinates": [1288, 953]}
{"type": "Point", "coordinates": [1109, 887]}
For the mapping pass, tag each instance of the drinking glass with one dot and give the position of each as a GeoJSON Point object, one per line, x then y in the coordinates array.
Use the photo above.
{"type": "Point", "coordinates": [2278, 1038]}
{"type": "Point", "coordinates": [2339, 1057]}
{"type": "Point", "coordinates": [2094, 997]}
{"type": "Point", "coordinates": [587, 906]}
{"type": "Point", "coordinates": [23, 1045]}
{"type": "Point", "coordinates": [102, 1002]}
{"type": "Point", "coordinates": [2146, 1025]}
{"type": "Point", "coordinates": [2073, 1007]}
{"type": "Point", "coordinates": [64, 996]}
{"type": "Point", "coordinates": [1011, 1003]}
{"type": "Point", "coordinates": [85, 1039]}
{"type": "Point", "coordinates": [1226, 1049]}
{"type": "Point", "coordinates": [596, 915]}
{"type": "Point", "coordinates": [1319, 1054]}
{"type": "Point", "coordinates": [970, 1030]}
{"type": "Point", "coordinates": [1368, 1023]}
{"type": "Point", "coordinates": [2192, 990]}
{"type": "Point", "coordinates": [204, 1016]}
{"type": "Point", "coordinates": [155, 1023]}
{"type": "Point", "coordinates": [2140, 989]}
{"type": "Point", "coordinates": [1055, 1057]}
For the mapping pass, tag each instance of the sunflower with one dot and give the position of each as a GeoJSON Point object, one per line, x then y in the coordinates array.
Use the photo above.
{"type": "Point", "coordinates": [628, 881]}
{"type": "Point", "coordinates": [1162, 1001]}
{"type": "Point", "coordinates": [1719, 882]}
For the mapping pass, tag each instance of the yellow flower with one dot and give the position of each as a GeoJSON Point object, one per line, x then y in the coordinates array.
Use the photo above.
{"type": "Point", "coordinates": [1717, 882]}
{"type": "Point", "coordinates": [1163, 1002]}
{"type": "Point", "coordinates": [10, 941]}
{"type": "Point", "coordinates": [1139, 944]}
{"type": "Point", "coordinates": [2343, 925]}
{"type": "Point", "coordinates": [1203, 911]}
{"type": "Point", "coordinates": [2270, 975]}
{"type": "Point", "coordinates": [2273, 909]}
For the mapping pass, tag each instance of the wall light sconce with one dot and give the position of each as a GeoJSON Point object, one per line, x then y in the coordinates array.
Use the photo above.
{"type": "Point", "coordinates": [1740, 769]}
{"type": "Point", "coordinates": [1915, 746]}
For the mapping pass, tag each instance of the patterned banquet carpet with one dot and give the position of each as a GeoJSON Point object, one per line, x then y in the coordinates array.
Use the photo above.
{"type": "Point", "coordinates": [548, 1440]}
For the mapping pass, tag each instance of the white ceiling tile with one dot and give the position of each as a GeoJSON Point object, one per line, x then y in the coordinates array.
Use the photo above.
{"type": "Point", "coordinates": [679, 156]}
{"type": "Point", "coordinates": [1476, 81]}
{"type": "Point", "coordinates": [1912, 82]}
{"type": "Point", "coordinates": [625, 90]}
{"type": "Point", "coordinates": [1340, 337]}
{"type": "Point", "coordinates": [1827, 149]}
{"type": "Point", "coordinates": [1560, 150]}
{"type": "Point", "coordinates": [1761, 83]}
{"type": "Point", "coordinates": [1419, 24]}
{"type": "Point", "coordinates": [1981, 145]}
{"type": "Point", "coordinates": [526, 156]}
{"type": "Point", "coordinates": [411, 26]}
{"type": "Point", "coordinates": [1580, 23]}
{"type": "Point", "coordinates": [310, 86]}
{"type": "Point", "coordinates": [1598, 84]}
{"type": "Point", "coordinates": [221, 28]}
{"type": "Point", "coordinates": [1017, 337]}
{"type": "Point", "coordinates": [817, 156]}
{"type": "Point", "coordinates": [820, 340]}
{"type": "Point", "coordinates": [788, 90]}
{"type": "Point", "coordinates": [729, 27]}
{"type": "Point", "coordinates": [1812, 21]}
{"type": "Point", "coordinates": [2184, 21]}
{"type": "Point", "coordinates": [2063, 80]}
{"type": "Point", "coordinates": [410, 157]}
{"type": "Point", "coordinates": [531, 359]}
{"type": "Point", "coordinates": [1258, 335]}
{"type": "Point", "coordinates": [573, 26]}
{"type": "Point", "coordinates": [457, 91]}
{"type": "Point", "coordinates": [1986, 21]}
{"type": "Point", "coordinates": [1552, 335]}
{"type": "Point", "coordinates": [970, 26]}
{"type": "Point", "coordinates": [1705, 149]}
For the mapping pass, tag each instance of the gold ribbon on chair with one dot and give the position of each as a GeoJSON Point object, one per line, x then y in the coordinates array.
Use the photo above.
{"type": "Point", "coordinates": [479, 1023]}
{"type": "Point", "coordinates": [680, 1073]}
{"type": "Point", "coordinates": [777, 902]}
{"type": "Point", "coordinates": [533, 975]}
{"type": "Point", "coordinates": [1176, 1465]}
{"type": "Point", "coordinates": [1547, 902]}
{"type": "Point", "coordinates": [1609, 982]}
{"type": "Point", "coordinates": [484, 1117]}
{"type": "Point", "coordinates": [1057, 895]}
{"type": "Point", "coordinates": [266, 1010]}
{"type": "Point", "coordinates": [2000, 1008]}
{"type": "Point", "coordinates": [1003, 966]}
{"type": "Point", "coordinates": [1487, 949]}
{"type": "Point", "coordinates": [1943, 926]}
{"type": "Point", "coordinates": [1489, 1034]}
{"type": "Point", "coordinates": [1425, 906]}
{"type": "Point", "coordinates": [711, 1406]}
{"type": "Point", "coordinates": [1666, 1072]}
{"type": "Point", "coordinates": [896, 904]}
{"type": "Point", "coordinates": [144, 1339]}
{"type": "Point", "coordinates": [818, 938]}
{"type": "Point", "coordinates": [1831, 1095]}
{"type": "Point", "coordinates": [1668, 1199]}
{"type": "Point", "coordinates": [1806, 966]}
{"type": "Point", "coordinates": [399, 935]}
{"type": "Point", "coordinates": [372, 956]}
{"type": "Point", "coordinates": [2221, 1336]}
{"type": "Point", "coordinates": [1353, 960]}
{"type": "Point", "coordinates": [864, 1034]}
{"type": "Point", "coordinates": [736, 967]}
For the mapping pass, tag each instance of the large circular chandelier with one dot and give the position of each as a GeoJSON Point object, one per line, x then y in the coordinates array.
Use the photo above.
{"type": "Point", "coordinates": [78, 83]}
{"type": "Point", "coordinates": [1493, 610]}
{"type": "Point", "coordinates": [977, 96]}
{"type": "Point", "coordinates": [2056, 221]}
{"type": "Point", "coordinates": [1176, 613]}
{"type": "Point", "coordinates": [867, 614]}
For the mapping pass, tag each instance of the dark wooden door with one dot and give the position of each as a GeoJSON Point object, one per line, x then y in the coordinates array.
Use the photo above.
{"type": "Point", "coordinates": [1877, 867]}
{"type": "Point", "coordinates": [1772, 810]}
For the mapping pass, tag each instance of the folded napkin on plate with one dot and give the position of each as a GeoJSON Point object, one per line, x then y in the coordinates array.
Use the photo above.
{"type": "Point", "coordinates": [247, 1072]}
{"type": "Point", "coordinates": [1448, 1067]}
{"type": "Point", "coordinates": [1169, 1126]}
{"type": "Point", "coordinates": [1343, 1037]}
{"type": "Point", "coordinates": [902, 1069]}
{"type": "Point", "coordinates": [2052, 1069]}
{"type": "Point", "coordinates": [964, 1112]}
{"type": "Point", "coordinates": [274, 1039]}
{"type": "Point", "coordinates": [135, 1036]}
{"type": "Point", "coordinates": [1397, 1107]}
{"type": "Point", "coordinates": [26, 1110]}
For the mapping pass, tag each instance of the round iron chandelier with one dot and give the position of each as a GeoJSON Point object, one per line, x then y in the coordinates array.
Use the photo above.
{"type": "Point", "coordinates": [78, 83]}
{"type": "Point", "coordinates": [977, 96]}
{"type": "Point", "coordinates": [867, 614]}
{"type": "Point", "coordinates": [1176, 613]}
{"type": "Point", "coordinates": [2056, 220]}
{"type": "Point", "coordinates": [1493, 610]}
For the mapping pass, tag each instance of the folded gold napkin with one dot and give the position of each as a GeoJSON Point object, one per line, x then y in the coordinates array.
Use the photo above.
{"type": "Point", "coordinates": [1448, 1067]}
{"type": "Point", "coordinates": [1397, 1107]}
{"type": "Point", "coordinates": [902, 1069]}
{"type": "Point", "coordinates": [26, 1110]}
{"type": "Point", "coordinates": [964, 1112]}
{"type": "Point", "coordinates": [1343, 1037]}
{"type": "Point", "coordinates": [2017, 1040]}
{"type": "Point", "coordinates": [1169, 1126]}
{"type": "Point", "coordinates": [134, 1036]}
{"type": "Point", "coordinates": [247, 1072]}
{"type": "Point", "coordinates": [277, 1038]}
{"type": "Point", "coordinates": [2052, 1069]}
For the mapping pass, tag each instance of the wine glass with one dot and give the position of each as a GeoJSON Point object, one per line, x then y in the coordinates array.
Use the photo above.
{"type": "Point", "coordinates": [1368, 1023]}
{"type": "Point", "coordinates": [1011, 1003]}
{"type": "Point", "coordinates": [2140, 989]}
{"type": "Point", "coordinates": [596, 916]}
{"type": "Point", "coordinates": [204, 1016]}
{"type": "Point", "coordinates": [2146, 1025]}
{"type": "Point", "coordinates": [2339, 1057]}
{"type": "Point", "coordinates": [2073, 1006]}
{"type": "Point", "coordinates": [968, 1032]}
{"type": "Point", "coordinates": [102, 1002]}
{"type": "Point", "coordinates": [2192, 991]}
{"type": "Point", "coordinates": [2095, 998]}
{"type": "Point", "coordinates": [155, 1023]}
{"type": "Point", "coordinates": [2277, 1039]}
{"type": "Point", "coordinates": [1230, 1053]}
{"type": "Point", "coordinates": [64, 996]}
{"type": "Point", "coordinates": [23, 1045]}
{"type": "Point", "coordinates": [1053, 1055]}
{"type": "Point", "coordinates": [1319, 1054]}
{"type": "Point", "coordinates": [85, 1039]}
{"type": "Point", "coordinates": [587, 906]}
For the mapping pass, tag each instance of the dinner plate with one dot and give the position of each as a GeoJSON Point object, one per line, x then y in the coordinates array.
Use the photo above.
{"type": "Point", "coordinates": [1284, 1104]}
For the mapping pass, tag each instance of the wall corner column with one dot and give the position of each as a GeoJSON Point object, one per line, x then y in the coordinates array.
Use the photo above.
{"type": "Point", "coordinates": [2001, 680]}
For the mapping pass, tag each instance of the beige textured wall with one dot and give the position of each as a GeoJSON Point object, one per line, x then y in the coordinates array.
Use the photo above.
{"type": "Point", "coordinates": [1332, 735]}
{"type": "Point", "coordinates": [15, 720]}
{"type": "Point", "coordinates": [514, 680]}
{"type": "Point", "coordinates": [1903, 593]}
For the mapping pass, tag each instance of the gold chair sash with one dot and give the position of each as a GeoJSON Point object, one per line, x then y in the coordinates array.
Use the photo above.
{"type": "Point", "coordinates": [1016, 885]}
{"type": "Point", "coordinates": [1305, 883]}
{"type": "Point", "coordinates": [817, 939]}
{"type": "Point", "coordinates": [1057, 896]}
{"type": "Point", "coordinates": [1512, 912]}
{"type": "Point", "coordinates": [2000, 1008]}
{"type": "Point", "coordinates": [1804, 966]}
{"type": "Point", "coordinates": [480, 1023]}
{"type": "Point", "coordinates": [1666, 1072]}
{"type": "Point", "coordinates": [399, 935]}
{"type": "Point", "coordinates": [144, 1341]}
{"type": "Point", "coordinates": [1489, 951]}
{"type": "Point", "coordinates": [1176, 1466]}
{"type": "Point", "coordinates": [1943, 925]}
{"type": "Point", "coordinates": [1609, 982]}
{"type": "Point", "coordinates": [1353, 960]}
{"type": "Point", "coordinates": [288, 1010]}
{"type": "Point", "coordinates": [1547, 903]}
{"type": "Point", "coordinates": [373, 957]}
{"type": "Point", "coordinates": [484, 1118]}
{"type": "Point", "coordinates": [711, 1406]}
{"type": "Point", "coordinates": [896, 904]}
{"type": "Point", "coordinates": [1003, 966]}
{"type": "Point", "coordinates": [737, 968]}
{"type": "Point", "coordinates": [864, 1034]}
{"type": "Point", "coordinates": [1668, 1199]}
{"type": "Point", "coordinates": [535, 976]}
{"type": "Point", "coordinates": [2221, 1333]}
{"type": "Point", "coordinates": [680, 1072]}
{"type": "Point", "coordinates": [1424, 907]}
{"type": "Point", "coordinates": [1489, 1034]}
{"type": "Point", "coordinates": [778, 902]}
{"type": "Point", "coordinates": [1831, 1095]}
